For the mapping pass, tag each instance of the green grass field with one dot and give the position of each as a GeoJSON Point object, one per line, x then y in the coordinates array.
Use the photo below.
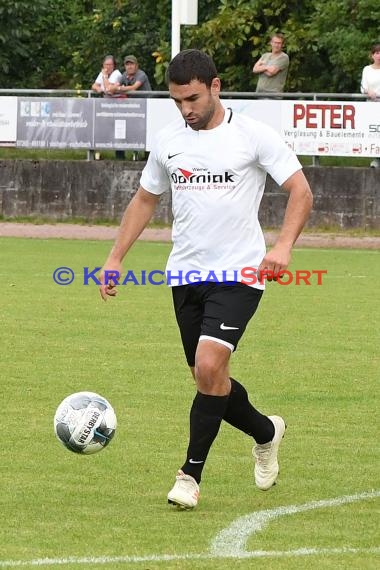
{"type": "Point", "coordinates": [311, 354]}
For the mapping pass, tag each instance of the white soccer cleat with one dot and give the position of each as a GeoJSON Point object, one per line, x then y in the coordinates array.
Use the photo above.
{"type": "Point", "coordinates": [185, 492]}
{"type": "Point", "coordinates": [266, 463]}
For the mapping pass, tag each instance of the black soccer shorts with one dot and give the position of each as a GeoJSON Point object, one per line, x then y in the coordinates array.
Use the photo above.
{"type": "Point", "coordinates": [219, 311]}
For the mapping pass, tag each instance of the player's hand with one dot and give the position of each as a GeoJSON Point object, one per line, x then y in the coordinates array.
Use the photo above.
{"type": "Point", "coordinates": [109, 279]}
{"type": "Point", "coordinates": [275, 261]}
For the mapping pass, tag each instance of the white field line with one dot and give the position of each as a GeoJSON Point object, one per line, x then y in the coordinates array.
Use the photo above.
{"type": "Point", "coordinates": [232, 540]}
{"type": "Point", "coordinates": [169, 558]}
{"type": "Point", "coordinates": [229, 543]}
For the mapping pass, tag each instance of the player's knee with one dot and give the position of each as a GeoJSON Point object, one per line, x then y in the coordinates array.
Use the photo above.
{"type": "Point", "coordinates": [211, 367]}
{"type": "Point", "coordinates": [209, 374]}
{"type": "Point", "coordinates": [206, 370]}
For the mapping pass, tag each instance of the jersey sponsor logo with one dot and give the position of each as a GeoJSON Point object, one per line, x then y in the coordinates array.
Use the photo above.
{"type": "Point", "coordinates": [224, 327]}
{"type": "Point", "coordinates": [205, 177]}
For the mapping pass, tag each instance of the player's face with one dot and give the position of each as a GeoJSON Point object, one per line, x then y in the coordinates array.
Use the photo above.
{"type": "Point", "coordinates": [196, 102]}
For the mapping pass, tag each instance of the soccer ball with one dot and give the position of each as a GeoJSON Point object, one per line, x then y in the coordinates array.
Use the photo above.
{"type": "Point", "coordinates": [85, 422]}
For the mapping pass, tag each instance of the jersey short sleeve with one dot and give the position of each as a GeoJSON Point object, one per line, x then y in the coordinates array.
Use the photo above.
{"type": "Point", "coordinates": [275, 157]}
{"type": "Point", "coordinates": [154, 177]}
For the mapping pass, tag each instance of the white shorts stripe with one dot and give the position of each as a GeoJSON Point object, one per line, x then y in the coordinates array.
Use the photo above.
{"type": "Point", "coordinates": [219, 340]}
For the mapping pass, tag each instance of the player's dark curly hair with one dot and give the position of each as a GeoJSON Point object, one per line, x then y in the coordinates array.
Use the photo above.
{"type": "Point", "coordinates": [191, 64]}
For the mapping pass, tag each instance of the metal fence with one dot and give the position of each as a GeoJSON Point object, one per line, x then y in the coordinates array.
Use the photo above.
{"type": "Point", "coordinates": [165, 94]}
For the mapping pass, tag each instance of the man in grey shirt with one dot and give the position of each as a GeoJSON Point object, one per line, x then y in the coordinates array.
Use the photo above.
{"type": "Point", "coordinates": [133, 78]}
{"type": "Point", "coordinates": [272, 67]}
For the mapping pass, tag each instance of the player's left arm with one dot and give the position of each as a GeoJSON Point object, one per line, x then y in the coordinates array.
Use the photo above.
{"type": "Point", "coordinates": [296, 214]}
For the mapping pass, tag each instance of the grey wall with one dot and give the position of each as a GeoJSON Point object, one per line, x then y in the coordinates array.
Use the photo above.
{"type": "Point", "coordinates": [100, 190]}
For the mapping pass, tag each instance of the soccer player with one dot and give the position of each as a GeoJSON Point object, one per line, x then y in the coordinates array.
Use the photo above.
{"type": "Point", "coordinates": [215, 162]}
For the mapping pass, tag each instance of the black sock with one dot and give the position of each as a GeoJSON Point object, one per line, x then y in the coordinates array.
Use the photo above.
{"type": "Point", "coordinates": [241, 414]}
{"type": "Point", "coordinates": [205, 418]}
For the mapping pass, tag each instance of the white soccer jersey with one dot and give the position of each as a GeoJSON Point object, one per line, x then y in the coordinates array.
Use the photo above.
{"type": "Point", "coordinates": [217, 179]}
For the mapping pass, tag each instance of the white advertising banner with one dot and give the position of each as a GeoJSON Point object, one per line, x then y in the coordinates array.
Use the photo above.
{"type": "Point", "coordinates": [160, 112]}
{"type": "Point", "coordinates": [332, 128]}
{"type": "Point", "coordinates": [266, 110]}
{"type": "Point", "coordinates": [8, 121]}
{"type": "Point", "coordinates": [315, 128]}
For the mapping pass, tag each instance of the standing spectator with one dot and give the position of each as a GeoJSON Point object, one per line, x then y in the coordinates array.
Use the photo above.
{"type": "Point", "coordinates": [133, 78]}
{"type": "Point", "coordinates": [107, 78]}
{"type": "Point", "coordinates": [272, 67]}
{"type": "Point", "coordinates": [370, 84]}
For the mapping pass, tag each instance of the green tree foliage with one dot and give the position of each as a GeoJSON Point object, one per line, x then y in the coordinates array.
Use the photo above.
{"type": "Point", "coordinates": [343, 32]}
{"type": "Point", "coordinates": [61, 43]}
{"type": "Point", "coordinates": [239, 33]}
{"type": "Point", "coordinates": [30, 55]}
{"type": "Point", "coordinates": [119, 28]}
{"type": "Point", "coordinates": [327, 41]}
{"type": "Point", "coordinates": [207, 9]}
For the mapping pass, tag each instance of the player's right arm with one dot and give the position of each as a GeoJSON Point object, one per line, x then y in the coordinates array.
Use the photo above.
{"type": "Point", "coordinates": [136, 217]}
